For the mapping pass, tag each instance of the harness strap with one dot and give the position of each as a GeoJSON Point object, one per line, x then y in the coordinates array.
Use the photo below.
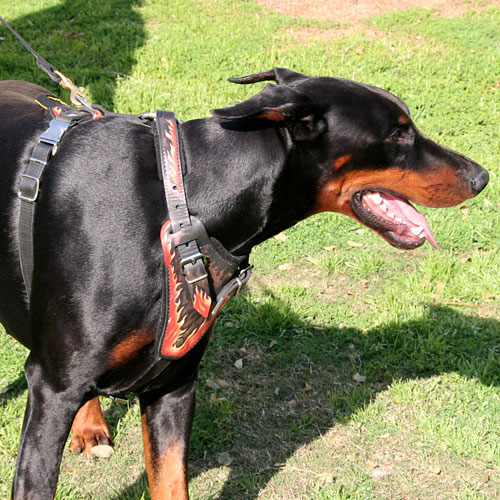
{"type": "Point", "coordinates": [192, 260]}
{"type": "Point", "coordinates": [201, 275]}
{"type": "Point", "coordinates": [188, 313]}
{"type": "Point", "coordinates": [63, 117]}
{"type": "Point", "coordinates": [29, 189]}
{"type": "Point", "coordinates": [173, 181]}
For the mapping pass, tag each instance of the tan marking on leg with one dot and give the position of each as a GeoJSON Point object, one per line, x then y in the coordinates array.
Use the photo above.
{"type": "Point", "coordinates": [89, 428]}
{"type": "Point", "coordinates": [167, 476]}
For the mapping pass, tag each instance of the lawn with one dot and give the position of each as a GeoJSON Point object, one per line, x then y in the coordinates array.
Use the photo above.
{"type": "Point", "coordinates": [366, 372]}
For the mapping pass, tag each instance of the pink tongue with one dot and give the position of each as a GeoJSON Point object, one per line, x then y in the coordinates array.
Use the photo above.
{"type": "Point", "coordinates": [403, 209]}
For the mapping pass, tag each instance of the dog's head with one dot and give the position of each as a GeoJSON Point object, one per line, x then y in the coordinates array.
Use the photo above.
{"type": "Point", "coordinates": [373, 160]}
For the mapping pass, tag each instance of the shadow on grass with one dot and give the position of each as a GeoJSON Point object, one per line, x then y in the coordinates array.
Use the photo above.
{"type": "Point", "coordinates": [297, 381]}
{"type": "Point", "coordinates": [16, 388]}
{"type": "Point", "coordinates": [90, 41]}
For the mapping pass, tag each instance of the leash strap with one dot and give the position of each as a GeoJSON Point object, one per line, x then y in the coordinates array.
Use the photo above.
{"type": "Point", "coordinates": [44, 65]}
{"type": "Point", "coordinates": [77, 93]}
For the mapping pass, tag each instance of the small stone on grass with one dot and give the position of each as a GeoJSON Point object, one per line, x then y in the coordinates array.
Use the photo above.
{"type": "Point", "coordinates": [102, 451]}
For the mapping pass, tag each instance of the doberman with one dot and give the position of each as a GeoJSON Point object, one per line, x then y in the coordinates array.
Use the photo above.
{"type": "Point", "coordinates": [303, 146]}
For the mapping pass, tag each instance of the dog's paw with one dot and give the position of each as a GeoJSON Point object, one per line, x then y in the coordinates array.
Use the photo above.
{"type": "Point", "coordinates": [89, 428]}
{"type": "Point", "coordinates": [83, 440]}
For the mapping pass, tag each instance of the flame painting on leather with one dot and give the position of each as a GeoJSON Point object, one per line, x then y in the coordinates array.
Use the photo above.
{"type": "Point", "coordinates": [55, 107]}
{"type": "Point", "coordinates": [189, 306]}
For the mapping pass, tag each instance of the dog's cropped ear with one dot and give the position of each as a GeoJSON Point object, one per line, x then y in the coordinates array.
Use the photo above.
{"type": "Point", "coordinates": [283, 105]}
{"type": "Point", "coordinates": [282, 76]}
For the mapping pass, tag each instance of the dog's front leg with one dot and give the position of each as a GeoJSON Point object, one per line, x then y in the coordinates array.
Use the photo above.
{"type": "Point", "coordinates": [166, 425]}
{"type": "Point", "coordinates": [47, 421]}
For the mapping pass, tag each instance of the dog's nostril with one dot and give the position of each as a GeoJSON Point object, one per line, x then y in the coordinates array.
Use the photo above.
{"type": "Point", "coordinates": [479, 182]}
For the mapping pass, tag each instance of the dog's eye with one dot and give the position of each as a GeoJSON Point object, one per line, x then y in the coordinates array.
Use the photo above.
{"type": "Point", "coordinates": [396, 136]}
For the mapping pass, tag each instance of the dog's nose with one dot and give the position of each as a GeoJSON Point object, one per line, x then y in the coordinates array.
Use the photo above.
{"type": "Point", "coordinates": [479, 181]}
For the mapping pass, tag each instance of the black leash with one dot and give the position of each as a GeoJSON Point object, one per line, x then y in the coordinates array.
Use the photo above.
{"type": "Point", "coordinates": [44, 65]}
{"type": "Point", "coordinates": [77, 93]}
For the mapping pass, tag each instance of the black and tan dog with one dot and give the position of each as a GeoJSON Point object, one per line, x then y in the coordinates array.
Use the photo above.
{"type": "Point", "coordinates": [306, 145]}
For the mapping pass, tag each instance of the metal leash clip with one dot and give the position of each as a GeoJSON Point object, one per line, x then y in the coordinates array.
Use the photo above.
{"type": "Point", "coordinates": [77, 95]}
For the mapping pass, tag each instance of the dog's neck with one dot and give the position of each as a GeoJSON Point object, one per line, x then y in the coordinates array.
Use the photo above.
{"type": "Point", "coordinates": [245, 184]}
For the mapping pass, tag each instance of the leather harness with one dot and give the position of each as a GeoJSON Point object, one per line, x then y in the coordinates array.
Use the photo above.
{"type": "Point", "coordinates": [200, 275]}
{"type": "Point", "coordinates": [63, 117]}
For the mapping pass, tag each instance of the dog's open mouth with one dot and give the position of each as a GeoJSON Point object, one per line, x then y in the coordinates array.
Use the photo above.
{"type": "Point", "coordinates": [394, 218]}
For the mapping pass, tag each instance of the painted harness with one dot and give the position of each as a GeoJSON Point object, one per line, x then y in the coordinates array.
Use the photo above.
{"type": "Point", "coordinates": [200, 275]}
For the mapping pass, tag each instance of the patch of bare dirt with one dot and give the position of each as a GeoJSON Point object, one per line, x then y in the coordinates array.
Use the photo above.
{"type": "Point", "coordinates": [310, 32]}
{"type": "Point", "coordinates": [353, 11]}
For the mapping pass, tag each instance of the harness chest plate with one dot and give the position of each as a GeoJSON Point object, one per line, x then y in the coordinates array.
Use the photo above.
{"type": "Point", "coordinates": [193, 307]}
{"type": "Point", "coordinates": [200, 275]}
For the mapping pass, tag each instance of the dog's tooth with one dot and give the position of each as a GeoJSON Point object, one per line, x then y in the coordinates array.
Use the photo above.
{"type": "Point", "coordinates": [391, 215]}
{"type": "Point", "coordinates": [398, 219]}
{"type": "Point", "coordinates": [383, 207]}
{"type": "Point", "coordinates": [376, 198]}
{"type": "Point", "coordinates": [417, 230]}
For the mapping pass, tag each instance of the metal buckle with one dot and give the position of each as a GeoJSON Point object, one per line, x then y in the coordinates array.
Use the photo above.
{"type": "Point", "coordinates": [55, 132]}
{"type": "Point", "coordinates": [37, 160]}
{"type": "Point", "coordinates": [30, 199]}
{"type": "Point", "coordinates": [193, 259]}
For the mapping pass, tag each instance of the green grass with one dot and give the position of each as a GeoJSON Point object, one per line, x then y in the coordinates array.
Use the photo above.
{"type": "Point", "coordinates": [368, 373]}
